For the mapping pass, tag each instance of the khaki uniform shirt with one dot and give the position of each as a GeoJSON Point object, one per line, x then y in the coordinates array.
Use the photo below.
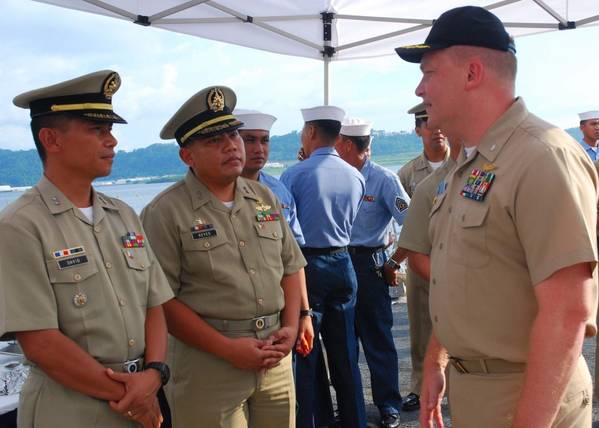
{"type": "Point", "coordinates": [59, 271]}
{"type": "Point", "coordinates": [231, 267]}
{"type": "Point", "coordinates": [414, 233]}
{"type": "Point", "coordinates": [414, 172]}
{"type": "Point", "coordinates": [537, 217]}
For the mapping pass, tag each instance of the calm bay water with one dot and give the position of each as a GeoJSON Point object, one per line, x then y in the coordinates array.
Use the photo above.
{"type": "Point", "coordinates": [136, 195]}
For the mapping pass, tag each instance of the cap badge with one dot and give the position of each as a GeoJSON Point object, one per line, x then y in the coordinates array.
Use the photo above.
{"type": "Point", "coordinates": [216, 100]}
{"type": "Point", "coordinates": [111, 85]}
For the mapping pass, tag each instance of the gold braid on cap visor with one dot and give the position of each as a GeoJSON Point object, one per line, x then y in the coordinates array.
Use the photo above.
{"type": "Point", "coordinates": [204, 125]}
{"type": "Point", "coordinates": [82, 106]}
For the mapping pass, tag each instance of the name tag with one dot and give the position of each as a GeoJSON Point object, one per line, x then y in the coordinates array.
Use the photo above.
{"type": "Point", "coordinates": [73, 261]}
{"type": "Point", "coordinates": [203, 234]}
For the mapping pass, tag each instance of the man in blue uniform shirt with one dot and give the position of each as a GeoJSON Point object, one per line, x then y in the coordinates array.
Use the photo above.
{"type": "Point", "coordinates": [256, 137]}
{"type": "Point", "coordinates": [385, 199]}
{"type": "Point", "coordinates": [589, 126]}
{"type": "Point", "coordinates": [328, 193]}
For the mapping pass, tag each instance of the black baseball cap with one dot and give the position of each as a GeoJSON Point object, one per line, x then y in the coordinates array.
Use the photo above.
{"type": "Point", "coordinates": [467, 25]}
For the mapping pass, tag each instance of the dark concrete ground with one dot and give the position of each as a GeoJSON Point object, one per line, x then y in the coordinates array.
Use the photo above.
{"type": "Point", "coordinates": [402, 342]}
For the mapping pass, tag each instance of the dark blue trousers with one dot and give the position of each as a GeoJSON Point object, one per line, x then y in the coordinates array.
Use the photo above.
{"type": "Point", "coordinates": [374, 321]}
{"type": "Point", "coordinates": [331, 283]}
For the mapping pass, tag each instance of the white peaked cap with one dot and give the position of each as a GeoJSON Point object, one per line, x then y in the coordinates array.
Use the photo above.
{"type": "Point", "coordinates": [356, 127]}
{"type": "Point", "coordinates": [253, 119]}
{"type": "Point", "coordinates": [587, 115]}
{"type": "Point", "coordinates": [323, 113]}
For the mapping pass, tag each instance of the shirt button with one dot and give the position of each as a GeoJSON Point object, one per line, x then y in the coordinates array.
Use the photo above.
{"type": "Point", "coordinates": [206, 244]}
{"type": "Point", "coordinates": [242, 243]}
{"type": "Point", "coordinates": [131, 342]}
{"type": "Point", "coordinates": [97, 229]}
{"type": "Point", "coordinates": [252, 271]}
{"type": "Point", "coordinates": [143, 266]}
{"type": "Point", "coordinates": [108, 265]}
{"type": "Point", "coordinates": [275, 234]}
{"type": "Point", "coordinates": [77, 277]}
{"type": "Point", "coordinates": [260, 301]}
{"type": "Point", "coordinates": [122, 302]}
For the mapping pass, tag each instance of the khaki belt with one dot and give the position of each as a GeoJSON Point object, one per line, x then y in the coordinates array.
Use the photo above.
{"type": "Point", "coordinates": [486, 366]}
{"type": "Point", "coordinates": [131, 366]}
{"type": "Point", "coordinates": [254, 324]}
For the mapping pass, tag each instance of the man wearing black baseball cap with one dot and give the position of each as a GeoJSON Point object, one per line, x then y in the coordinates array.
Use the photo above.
{"type": "Point", "coordinates": [513, 279]}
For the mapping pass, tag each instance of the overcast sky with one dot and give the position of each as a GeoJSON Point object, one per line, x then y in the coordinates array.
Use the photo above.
{"type": "Point", "coordinates": [42, 44]}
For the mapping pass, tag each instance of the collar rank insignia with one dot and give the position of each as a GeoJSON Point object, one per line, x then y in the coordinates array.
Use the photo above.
{"type": "Point", "coordinates": [265, 212]}
{"type": "Point", "coordinates": [478, 184]}
{"type": "Point", "coordinates": [58, 254]}
{"type": "Point", "coordinates": [133, 240]}
{"type": "Point", "coordinates": [202, 230]}
{"type": "Point", "coordinates": [368, 198]}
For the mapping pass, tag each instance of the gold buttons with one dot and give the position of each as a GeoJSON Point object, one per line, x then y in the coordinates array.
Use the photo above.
{"type": "Point", "coordinates": [275, 234]}
{"type": "Point", "coordinates": [206, 244]}
{"type": "Point", "coordinates": [242, 243]}
{"type": "Point", "coordinates": [252, 271]}
{"type": "Point", "coordinates": [131, 342]}
{"type": "Point", "coordinates": [77, 277]}
{"type": "Point", "coordinates": [108, 265]}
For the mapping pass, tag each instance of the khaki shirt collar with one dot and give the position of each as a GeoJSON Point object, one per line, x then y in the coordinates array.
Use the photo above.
{"type": "Point", "coordinates": [422, 161]}
{"type": "Point", "coordinates": [201, 195]}
{"type": "Point", "coordinates": [500, 132]}
{"type": "Point", "coordinates": [58, 203]}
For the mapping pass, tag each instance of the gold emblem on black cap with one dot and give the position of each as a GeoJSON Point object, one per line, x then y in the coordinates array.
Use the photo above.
{"type": "Point", "coordinates": [111, 85]}
{"type": "Point", "coordinates": [216, 100]}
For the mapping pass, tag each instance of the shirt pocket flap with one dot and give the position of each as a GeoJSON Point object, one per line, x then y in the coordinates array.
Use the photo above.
{"type": "Point", "coordinates": [137, 258]}
{"type": "Point", "coordinates": [205, 243]}
{"type": "Point", "coordinates": [270, 230]}
{"type": "Point", "coordinates": [475, 217]}
{"type": "Point", "coordinates": [73, 274]}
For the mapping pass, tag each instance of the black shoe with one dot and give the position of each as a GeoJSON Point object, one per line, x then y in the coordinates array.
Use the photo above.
{"type": "Point", "coordinates": [411, 402]}
{"type": "Point", "coordinates": [390, 420]}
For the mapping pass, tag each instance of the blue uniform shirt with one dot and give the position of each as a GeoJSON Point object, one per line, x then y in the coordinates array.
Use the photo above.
{"type": "Point", "coordinates": [385, 198]}
{"type": "Point", "coordinates": [327, 192]}
{"type": "Point", "coordinates": [593, 152]}
{"type": "Point", "coordinates": [287, 203]}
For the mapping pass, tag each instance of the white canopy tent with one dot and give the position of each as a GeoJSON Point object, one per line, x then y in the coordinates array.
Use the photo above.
{"type": "Point", "coordinates": [330, 30]}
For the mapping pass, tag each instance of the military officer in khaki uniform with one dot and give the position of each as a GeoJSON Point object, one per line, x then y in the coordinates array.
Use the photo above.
{"type": "Point", "coordinates": [435, 153]}
{"type": "Point", "coordinates": [513, 286]}
{"type": "Point", "coordinates": [81, 289]}
{"type": "Point", "coordinates": [236, 271]}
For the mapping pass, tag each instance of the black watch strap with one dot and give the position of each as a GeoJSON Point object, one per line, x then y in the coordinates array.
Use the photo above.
{"type": "Point", "coordinates": [162, 368]}
{"type": "Point", "coordinates": [306, 313]}
{"type": "Point", "coordinates": [393, 263]}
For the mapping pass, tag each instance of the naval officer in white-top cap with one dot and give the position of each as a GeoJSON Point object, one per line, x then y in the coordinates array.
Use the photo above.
{"type": "Point", "coordinates": [328, 193]}
{"type": "Point", "coordinates": [589, 125]}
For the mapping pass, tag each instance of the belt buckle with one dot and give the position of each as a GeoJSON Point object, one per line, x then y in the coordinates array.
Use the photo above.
{"type": "Point", "coordinates": [458, 365]}
{"type": "Point", "coordinates": [259, 323]}
{"type": "Point", "coordinates": [130, 366]}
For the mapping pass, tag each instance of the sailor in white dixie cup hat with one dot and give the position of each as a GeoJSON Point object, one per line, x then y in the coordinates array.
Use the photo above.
{"type": "Point", "coordinates": [328, 193]}
{"type": "Point", "coordinates": [589, 126]}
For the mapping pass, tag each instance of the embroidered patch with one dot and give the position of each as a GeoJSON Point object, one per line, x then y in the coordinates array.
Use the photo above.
{"type": "Point", "coordinates": [133, 240]}
{"type": "Point", "coordinates": [73, 261]}
{"type": "Point", "coordinates": [401, 204]}
{"type": "Point", "coordinates": [477, 185]}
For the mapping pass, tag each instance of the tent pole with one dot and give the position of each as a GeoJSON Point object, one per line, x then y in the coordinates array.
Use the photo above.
{"type": "Point", "coordinates": [327, 80]}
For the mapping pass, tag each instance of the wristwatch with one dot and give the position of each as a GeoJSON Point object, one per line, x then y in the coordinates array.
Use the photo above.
{"type": "Point", "coordinates": [393, 263]}
{"type": "Point", "coordinates": [306, 313]}
{"type": "Point", "coordinates": [162, 368]}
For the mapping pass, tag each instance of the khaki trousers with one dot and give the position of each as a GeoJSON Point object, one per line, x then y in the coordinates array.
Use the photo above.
{"type": "Point", "coordinates": [206, 391]}
{"type": "Point", "coordinates": [420, 325]}
{"type": "Point", "coordinates": [490, 400]}
{"type": "Point", "coordinates": [45, 403]}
